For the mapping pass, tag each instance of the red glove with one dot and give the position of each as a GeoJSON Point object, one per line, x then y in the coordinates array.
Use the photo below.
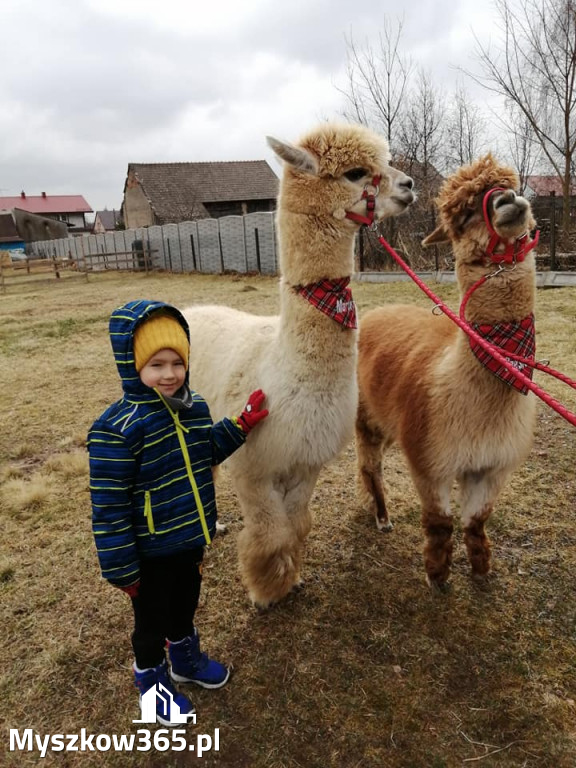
{"type": "Point", "coordinates": [253, 411]}
{"type": "Point", "coordinates": [131, 590]}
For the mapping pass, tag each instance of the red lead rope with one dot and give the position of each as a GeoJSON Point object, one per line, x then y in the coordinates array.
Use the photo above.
{"type": "Point", "coordinates": [525, 360]}
{"type": "Point", "coordinates": [490, 348]}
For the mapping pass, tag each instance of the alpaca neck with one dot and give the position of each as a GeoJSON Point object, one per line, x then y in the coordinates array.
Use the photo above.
{"type": "Point", "coordinates": [314, 248]}
{"type": "Point", "coordinates": [505, 297]}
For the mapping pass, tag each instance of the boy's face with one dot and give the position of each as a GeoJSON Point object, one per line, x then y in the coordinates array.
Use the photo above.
{"type": "Point", "coordinates": [165, 370]}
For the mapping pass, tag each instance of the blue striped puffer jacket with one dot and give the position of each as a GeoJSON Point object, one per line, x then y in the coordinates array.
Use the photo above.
{"type": "Point", "coordinates": [150, 466]}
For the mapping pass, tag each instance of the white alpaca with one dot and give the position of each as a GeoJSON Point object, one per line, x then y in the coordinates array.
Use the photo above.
{"type": "Point", "coordinates": [422, 385]}
{"type": "Point", "coordinates": [304, 360]}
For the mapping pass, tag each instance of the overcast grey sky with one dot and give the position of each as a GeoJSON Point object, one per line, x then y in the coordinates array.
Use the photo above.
{"type": "Point", "coordinates": [88, 86]}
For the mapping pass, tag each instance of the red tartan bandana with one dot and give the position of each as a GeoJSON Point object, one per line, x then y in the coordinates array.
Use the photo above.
{"type": "Point", "coordinates": [334, 298]}
{"type": "Point", "coordinates": [516, 338]}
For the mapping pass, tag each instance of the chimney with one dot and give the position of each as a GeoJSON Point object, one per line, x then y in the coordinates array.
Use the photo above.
{"type": "Point", "coordinates": [23, 195]}
{"type": "Point", "coordinates": [44, 194]}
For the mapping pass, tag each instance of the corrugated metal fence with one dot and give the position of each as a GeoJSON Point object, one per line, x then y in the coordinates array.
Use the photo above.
{"type": "Point", "coordinates": [234, 243]}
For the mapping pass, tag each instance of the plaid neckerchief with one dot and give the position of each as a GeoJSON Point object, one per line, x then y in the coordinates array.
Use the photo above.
{"type": "Point", "coordinates": [517, 338]}
{"type": "Point", "coordinates": [334, 298]}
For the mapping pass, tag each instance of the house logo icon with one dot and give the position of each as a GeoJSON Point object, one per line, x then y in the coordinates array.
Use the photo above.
{"type": "Point", "coordinates": [169, 708]}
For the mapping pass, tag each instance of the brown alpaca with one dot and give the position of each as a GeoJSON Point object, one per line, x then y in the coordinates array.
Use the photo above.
{"type": "Point", "coordinates": [421, 385]}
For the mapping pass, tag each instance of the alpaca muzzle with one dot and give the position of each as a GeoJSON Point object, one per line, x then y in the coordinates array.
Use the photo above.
{"type": "Point", "coordinates": [370, 193]}
{"type": "Point", "coordinates": [513, 253]}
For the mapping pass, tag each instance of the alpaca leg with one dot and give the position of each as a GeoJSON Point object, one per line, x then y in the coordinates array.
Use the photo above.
{"type": "Point", "coordinates": [297, 507]}
{"type": "Point", "coordinates": [271, 542]}
{"type": "Point", "coordinates": [438, 526]}
{"type": "Point", "coordinates": [370, 446]}
{"type": "Point", "coordinates": [269, 562]}
{"type": "Point", "coordinates": [297, 493]}
{"type": "Point", "coordinates": [478, 544]}
{"type": "Point", "coordinates": [478, 491]}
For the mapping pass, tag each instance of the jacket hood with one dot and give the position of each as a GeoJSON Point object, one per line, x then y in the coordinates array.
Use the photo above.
{"type": "Point", "coordinates": [123, 323]}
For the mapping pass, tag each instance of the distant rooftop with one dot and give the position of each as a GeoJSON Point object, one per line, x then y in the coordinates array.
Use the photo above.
{"type": "Point", "coordinates": [546, 185]}
{"type": "Point", "coordinates": [108, 219]}
{"type": "Point", "coordinates": [46, 204]}
{"type": "Point", "coordinates": [176, 189]}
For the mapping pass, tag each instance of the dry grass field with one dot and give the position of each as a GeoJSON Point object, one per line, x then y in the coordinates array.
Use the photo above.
{"type": "Point", "coordinates": [365, 668]}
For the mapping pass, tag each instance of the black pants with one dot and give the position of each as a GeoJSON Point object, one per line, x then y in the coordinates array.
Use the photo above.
{"type": "Point", "coordinates": [166, 603]}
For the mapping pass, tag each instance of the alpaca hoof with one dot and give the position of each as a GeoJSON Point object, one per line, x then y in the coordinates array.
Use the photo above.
{"type": "Point", "coordinates": [261, 606]}
{"type": "Point", "coordinates": [384, 525]}
{"type": "Point", "coordinates": [483, 580]}
{"type": "Point", "coordinates": [265, 605]}
{"type": "Point", "coordinates": [439, 587]}
{"type": "Point", "coordinates": [298, 587]}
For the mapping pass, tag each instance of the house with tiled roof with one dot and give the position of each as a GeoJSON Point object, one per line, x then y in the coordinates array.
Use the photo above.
{"type": "Point", "coordinates": [69, 209]}
{"type": "Point", "coordinates": [544, 186]}
{"type": "Point", "coordinates": [106, 221]}
{"type": "Point", "coordinates": [165, 193]}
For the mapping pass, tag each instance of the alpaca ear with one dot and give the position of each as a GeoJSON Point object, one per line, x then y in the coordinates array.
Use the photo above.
{"type": "Point", "coordinates": [298, 158]}
{"type": "Point", "coordinates": [438, 236]}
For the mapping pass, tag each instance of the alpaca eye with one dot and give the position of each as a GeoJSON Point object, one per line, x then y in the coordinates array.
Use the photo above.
{"type": "Point", "coordinates": [355, 174]}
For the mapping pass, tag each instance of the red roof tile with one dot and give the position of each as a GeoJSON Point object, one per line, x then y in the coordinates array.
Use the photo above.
{"type": "Point", "coordinates": [46, 204]}
{"type": "Point", "coordinates": [545, 185]}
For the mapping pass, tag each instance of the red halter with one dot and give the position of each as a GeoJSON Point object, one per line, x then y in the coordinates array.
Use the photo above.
{"type": "Point", "coordinates": [370, 198]}
{"type": "Point", "coordinates": [513, 252]}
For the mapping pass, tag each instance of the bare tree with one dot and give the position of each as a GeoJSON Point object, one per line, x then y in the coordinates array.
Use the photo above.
{"type": "Point", "coordinates": [465, 130]}
{"type": "Point", "coordinates": [377, 80]}
{"type": "Point", "coordinates": [422, 130]}
{"type": "Point", "coordinates": [524, 149]}
{"type": "Point", "coordinates": [536, 71]}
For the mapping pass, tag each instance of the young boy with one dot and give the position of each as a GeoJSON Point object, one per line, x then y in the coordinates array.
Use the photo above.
{"type": "Point", "coordinates": [153, 500]}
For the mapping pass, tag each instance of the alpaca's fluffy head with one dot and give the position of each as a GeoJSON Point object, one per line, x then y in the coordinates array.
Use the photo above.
{"type": "Point", "coordinates": [338, 147]}
{"type": "Point", "coordinates": [459, 201]}
{"type": "Point", "coordinates": [325, 173]}
{"type": "Point", "coordinates": [327, 176]}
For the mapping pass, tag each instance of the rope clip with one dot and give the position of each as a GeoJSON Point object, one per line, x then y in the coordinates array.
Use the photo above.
{"type": "Point", "coordinates": [500, 269]}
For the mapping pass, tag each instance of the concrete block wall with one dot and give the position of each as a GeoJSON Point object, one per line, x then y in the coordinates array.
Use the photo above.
{"type": "Point", "coordinates": [231, 243]}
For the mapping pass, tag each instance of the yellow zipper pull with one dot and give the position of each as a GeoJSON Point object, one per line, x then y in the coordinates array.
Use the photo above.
{"type": "Point", "coordinates": [148, 512]}
{"type": "Point", "coordinates": [179, 425]}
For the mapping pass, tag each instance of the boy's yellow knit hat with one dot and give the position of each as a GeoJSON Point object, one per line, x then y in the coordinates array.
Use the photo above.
{"type": "Point", "coordinates": [160, 331]}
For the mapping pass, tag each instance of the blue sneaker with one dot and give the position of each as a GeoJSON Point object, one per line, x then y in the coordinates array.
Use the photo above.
{"type": "Point", "coordinates": [190, 665]}
{"type": "Point", "coordinates": [159, 698]}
